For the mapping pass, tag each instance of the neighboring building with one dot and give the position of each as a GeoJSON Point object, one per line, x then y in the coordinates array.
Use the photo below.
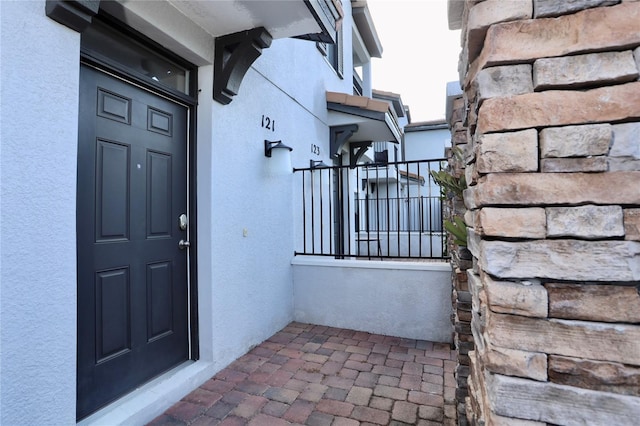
{"type": "Point", "coordinates": [142, 224]}
{"type": "Point", "coordinates": [397, 205]}
{"type": "Point", "coordinates": [426, 139]}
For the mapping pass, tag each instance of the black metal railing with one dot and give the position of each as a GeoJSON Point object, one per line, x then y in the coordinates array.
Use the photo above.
{"type": "Point", "coordinates": [376, 210]}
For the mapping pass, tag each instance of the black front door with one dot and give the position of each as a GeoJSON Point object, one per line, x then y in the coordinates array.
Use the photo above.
{"type": "Point", "coordinates": [132, 274]}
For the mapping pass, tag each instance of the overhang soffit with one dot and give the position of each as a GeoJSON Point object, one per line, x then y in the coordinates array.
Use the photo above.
{"type": "Point", "coordinates": [281, 18]}
{"type": "Point", "coordinates": [366, 27]}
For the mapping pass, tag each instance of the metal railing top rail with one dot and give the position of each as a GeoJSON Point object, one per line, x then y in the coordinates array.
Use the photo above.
{"type": "Point", "coordinates": [369, 165]}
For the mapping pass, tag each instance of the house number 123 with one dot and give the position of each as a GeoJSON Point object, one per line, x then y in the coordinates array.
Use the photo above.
{"type": "Point", "coordinates": [315, 149]}
{"type": "Point", "coordinates": [268, 123]}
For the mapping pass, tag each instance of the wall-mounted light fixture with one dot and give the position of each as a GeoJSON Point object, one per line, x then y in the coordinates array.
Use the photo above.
{"type": "Point", "coordinates": [269, 146]}
{"type": "Point", "coordinates": [280, 154]}
{"type": "Point", "coordinates": [319, 164]}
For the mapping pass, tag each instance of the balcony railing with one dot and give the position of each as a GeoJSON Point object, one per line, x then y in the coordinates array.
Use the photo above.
{"type": "Point", "coordinates": [379, 210]}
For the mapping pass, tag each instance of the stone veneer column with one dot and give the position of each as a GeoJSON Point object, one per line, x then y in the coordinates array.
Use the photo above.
{"type": "Point", "coordinates": [552, 99]}
{"type": "Point", "coordinates": [460, 262]}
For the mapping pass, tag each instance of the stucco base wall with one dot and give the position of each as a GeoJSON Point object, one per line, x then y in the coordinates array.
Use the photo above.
{"type": "Point", "coordinates": [403, 299]}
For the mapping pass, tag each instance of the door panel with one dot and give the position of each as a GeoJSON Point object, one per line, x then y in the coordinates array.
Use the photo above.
{"type": "Point", "coordinates": [132, 276]}
{"type": "Point", "coordinates": [112, 191]}
{"type": "Point", "coordinates": [158, 195]}
{"type": "Point", "coordinates": [113, 322]}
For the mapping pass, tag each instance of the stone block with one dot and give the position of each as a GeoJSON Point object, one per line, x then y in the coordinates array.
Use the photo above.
{"type": "Point", "coordinates": [590, 221]}
{"type": "Point", "coordinates": [459, 137]}
{"type": "Point", "coordinates": [597, 375]}
{"type": "Point", "coordinates": [550, 189]}
{"type": "Point", "coordinates": [471, 175]}
{"type": "Point", "coordinates": [469, 196]}
{"type": "Point", "coordinates": [465, 317]}
{"type": "Point", "coordinates": [513, 362]}
{"type": "Point", "coordinates": [623, 164]}
{"type": "Point", "coordinates": [506, 80]}
{"type": "Point", "coordinates": [592, 30]}
{"type": "Point", "coordinates": [470, 218]}
{"type": "Point", "coordinates": [508, 152]}
{"type": "Point", "coordinates": [457, 127]}
{"type": "Point", "coordinates": [473, 242]}
{"type": "Point", "coordinates": [558, 108]}
{"type": "Point", "coordinates": [573, 165]}
{"type": "Point", "coordinates": [457, 115]}
{"type": "Point", "coordinates": [477, 330]}
{"type": "Point", "coordinates": [626, 140]}
{"type": "Point", "coordinates": [469, 153]}
{"type": "Point", "coordinates": [546, 8]}
{"type": "Point", "coordinates": [636, 55]}
{"type": "Point", "coordinates": [472, 117]}
{"type": "Point", "coordinates": [458, 103]}
{"type": "Point", "coordinates": [584, 70]}
{"type": "Point", "coordinates": [475, 287]}
{"type": "Point", "coordinates": [489, 12]}
{"type": "Point", "coordinates": [463, 60]}
{"type": "Point", "coordinates": [581, 339]}
{"type": "Point", "coordinates": [562, 260]}
{"type": "Point", "coordinates": [518, 298]}
{"type": "Point", "coordinates": [604, 303]}
{"type": "Point", "coordinates": [576, 141]}
{"type": "Point", "coordinates": [632, 224]}
{"type": "Point", "coordinates": [558, 404]}
{"type": "Point", "coordinates": [528, 222]}
{"type": "Point", "coordinates": [477, 385]}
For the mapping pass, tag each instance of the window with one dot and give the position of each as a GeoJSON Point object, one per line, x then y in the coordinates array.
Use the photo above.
{"type": "Point", "coordinates": [106, 42]}
{"type": "Point", "coordinates": [357, 81]}
{"type": "Point", "coordinates": [334, 53]}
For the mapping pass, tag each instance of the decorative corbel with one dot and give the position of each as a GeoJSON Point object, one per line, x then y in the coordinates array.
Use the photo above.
{"type": "Point", "coordinates": [339, 135]}
{"type": "Point", "coordinates": [75, 14]}
{"type": "Point", "coordinates": [234, 55]}
{"type": "Point", "coordinates": [356, 151]}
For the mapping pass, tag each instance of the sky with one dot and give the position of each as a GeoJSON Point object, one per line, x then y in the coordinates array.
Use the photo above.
{"type": "Point", "coordinates": [419, 54]}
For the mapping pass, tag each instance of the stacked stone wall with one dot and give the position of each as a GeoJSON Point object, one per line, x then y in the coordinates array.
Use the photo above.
{"type": "Point", "coordinates": [551, 132]}
{"type": "Point", "coordinates": [461, 261]}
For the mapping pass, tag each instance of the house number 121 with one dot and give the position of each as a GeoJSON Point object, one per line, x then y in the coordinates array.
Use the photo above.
{"type": "Point", "coordinates": [268, 123]}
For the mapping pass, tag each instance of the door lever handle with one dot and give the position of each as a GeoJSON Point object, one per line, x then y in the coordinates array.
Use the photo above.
{"type": "Point", "coordinates": [184, 244]}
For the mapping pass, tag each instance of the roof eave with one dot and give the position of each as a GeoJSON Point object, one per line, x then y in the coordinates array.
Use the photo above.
{"type": "Point", "coordinates": [364, 23]}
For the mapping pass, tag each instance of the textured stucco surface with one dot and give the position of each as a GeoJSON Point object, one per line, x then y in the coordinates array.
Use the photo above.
{"type": "Point", "coordinates": [397, 299]}
{"type": "Point", "coordinates": [39, 113]}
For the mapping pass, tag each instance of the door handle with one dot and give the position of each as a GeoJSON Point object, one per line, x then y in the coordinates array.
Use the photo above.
{"type": "Point", "coordinates": [184, 244]}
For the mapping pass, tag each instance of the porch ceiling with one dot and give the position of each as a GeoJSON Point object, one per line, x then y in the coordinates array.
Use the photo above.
{"type": "Point", "coordinates": [281, 18]}
{"type": "Point", "coordinates": [375, 120]}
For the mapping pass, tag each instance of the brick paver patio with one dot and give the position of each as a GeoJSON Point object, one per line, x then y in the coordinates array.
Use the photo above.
{"type": "Point", "coordinates": [315, 375]}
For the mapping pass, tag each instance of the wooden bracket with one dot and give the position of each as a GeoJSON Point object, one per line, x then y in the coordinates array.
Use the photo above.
{"type": "Point", "coordinates": [234, 55]}
{"type": "Point", "coordinates": [356, 151]}
{"type": "Point", "coordinates": [339, 135]}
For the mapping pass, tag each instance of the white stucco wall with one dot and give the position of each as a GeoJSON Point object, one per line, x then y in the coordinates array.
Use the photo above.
{"type": "Point", "coordinates": [39, 113]}
{"type": "Point", "coordinates": [252, 207]}
{"type": "Point", "coordinates": [404, 299]}
{"type": "Point", "coordinates": [426, 144]}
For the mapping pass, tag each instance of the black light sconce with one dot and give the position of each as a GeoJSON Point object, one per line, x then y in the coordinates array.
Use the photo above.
{"type": "Point", "coordinates": [271, 145]}
{"type": "Point", "coordinates": [319, 164]}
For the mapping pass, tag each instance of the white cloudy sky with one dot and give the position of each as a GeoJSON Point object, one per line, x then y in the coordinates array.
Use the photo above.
{"type": "Point", "coordinates": [420, 53]}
